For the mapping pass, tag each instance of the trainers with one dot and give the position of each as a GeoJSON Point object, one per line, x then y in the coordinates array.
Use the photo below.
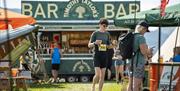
{"type": "Point", "coordinates": [121, 81]}
{"type": "Point", "coordinates": [52, 81]}
{"type": "Point", "coordinates": [117, 81]}
{"type": "Point", "coordinates": [57, 80]}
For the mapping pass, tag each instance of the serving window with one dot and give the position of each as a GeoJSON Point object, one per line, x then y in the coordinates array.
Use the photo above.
{"type": "Point", "coordinates": [70, 41]}
{"type": "Point", "coordinates": [76, 42]}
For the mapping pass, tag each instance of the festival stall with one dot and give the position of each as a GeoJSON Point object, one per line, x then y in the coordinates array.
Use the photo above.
{"type": "Point", "coordinates": [165, 75]}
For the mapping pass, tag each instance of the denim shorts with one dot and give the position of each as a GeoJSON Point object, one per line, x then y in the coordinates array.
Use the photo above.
{"type": "Point", "coordinates": [118, 62]}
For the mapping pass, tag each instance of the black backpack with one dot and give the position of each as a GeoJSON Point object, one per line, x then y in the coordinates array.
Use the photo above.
{"type": "Point", "coordinates": [126, 45]}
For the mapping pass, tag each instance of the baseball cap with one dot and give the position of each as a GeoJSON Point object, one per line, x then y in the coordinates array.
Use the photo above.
{"type": "Point", "coordinates": [144, 24]}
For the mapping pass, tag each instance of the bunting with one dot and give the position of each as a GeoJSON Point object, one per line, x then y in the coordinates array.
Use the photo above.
{"type": "Point", "coordinates": [163, 6]}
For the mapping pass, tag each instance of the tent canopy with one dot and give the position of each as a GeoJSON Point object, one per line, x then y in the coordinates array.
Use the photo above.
{"type": "Point", "coordinates": [131, 20]}
{"type": "Point", "coordinates": [170, 19]}
{"type": "Point", "coordinates": [13, 19]}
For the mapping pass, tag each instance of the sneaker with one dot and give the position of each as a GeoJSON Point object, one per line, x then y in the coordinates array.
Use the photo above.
{"type": "Point", "coordinates": [117, 81]}
{"type": "Point", "coordinates": [49, 81]}
{"type": "Point", "coordinates": [52, 81]}
{"type": "Point", "coordinates": [57, 80]}
{"type": "Point", "coordinates": [122, 81]}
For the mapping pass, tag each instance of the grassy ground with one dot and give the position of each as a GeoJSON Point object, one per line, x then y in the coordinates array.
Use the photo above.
{"type": "Point", "coordinates": [108, 86]}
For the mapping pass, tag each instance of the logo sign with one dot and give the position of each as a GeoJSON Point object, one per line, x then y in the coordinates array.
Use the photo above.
{"type": "Point", "coordinates": [165, 78]}
{"type": "Point", "coordinates": [78, 9]}
{"type": "Point", "coordinates": [81, 66]}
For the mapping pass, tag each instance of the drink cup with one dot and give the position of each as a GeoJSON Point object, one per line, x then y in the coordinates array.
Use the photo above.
{"type": "Point", "coordinates": [14, 72]}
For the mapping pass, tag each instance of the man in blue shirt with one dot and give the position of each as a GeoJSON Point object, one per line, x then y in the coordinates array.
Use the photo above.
{"type": "Point", "coordinates": [56, 56]}
{"type": "Point", "coordinates": [177, 54]}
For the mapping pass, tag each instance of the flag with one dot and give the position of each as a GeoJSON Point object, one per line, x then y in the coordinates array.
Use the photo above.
{"type": "Point", "coordinates": [163, 6]}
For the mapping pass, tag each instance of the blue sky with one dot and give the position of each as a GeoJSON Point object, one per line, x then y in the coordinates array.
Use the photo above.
{"type": "Point", "coordinates": [145, 4]}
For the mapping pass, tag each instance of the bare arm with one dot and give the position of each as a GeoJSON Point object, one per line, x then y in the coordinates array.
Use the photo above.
{"type": "Point", "coordinates": [110, 46]}
{"type": "Point", "coordinates": [97, 42]}
{"type": "Point", "coordinates": [91, 45]}
{"type": "Point", "coordinates": [145, 51]}
{"type": "Point", "coordinates": [51, 53]}
{"type": "Point", "coordinates": [60, 53]}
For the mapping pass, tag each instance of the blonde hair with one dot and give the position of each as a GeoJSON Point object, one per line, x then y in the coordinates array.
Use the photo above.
{"type": "Point", "coordinates": [177, 50]}
{"type": "Point", "coordinates": [55, 44]}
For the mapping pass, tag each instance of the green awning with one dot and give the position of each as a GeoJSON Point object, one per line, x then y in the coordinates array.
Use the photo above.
{"type": "Point", "coordinates": [170, 19]}
{"type": "Point", "coordinates": [129, 20]}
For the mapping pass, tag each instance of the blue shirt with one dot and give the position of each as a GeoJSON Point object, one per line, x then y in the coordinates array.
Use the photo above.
{"type": "Point", "coordinates": [56, 56]}
{"type": "Point", "coordinates": [176, 58]}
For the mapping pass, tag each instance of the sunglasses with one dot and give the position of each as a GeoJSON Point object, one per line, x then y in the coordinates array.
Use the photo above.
{"type": "Point", "coordinates": [104, 25]}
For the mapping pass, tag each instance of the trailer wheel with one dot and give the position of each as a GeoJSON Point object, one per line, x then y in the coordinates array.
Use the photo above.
{"type": "Point", "coordinates": [145, 89]}
{"type": "Point", "coordinates": [71, 79]}
{"type": "Point", "coordinates": [84, 78]}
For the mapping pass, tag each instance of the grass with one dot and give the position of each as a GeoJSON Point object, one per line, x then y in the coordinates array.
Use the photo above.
{"type": "Point", "coordinates": [108, 86]}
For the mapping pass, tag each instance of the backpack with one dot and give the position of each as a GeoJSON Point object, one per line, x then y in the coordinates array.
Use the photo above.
{"type": "Point", "coordinates": [126, 45]}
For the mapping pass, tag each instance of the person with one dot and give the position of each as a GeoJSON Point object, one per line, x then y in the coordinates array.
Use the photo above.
{"type": "Point", "coordinates": [109, 63]}
{"type": "Point", "coordinates": [118, 64]}
{"type": "Point", "coordinates": [56, 55]}
{"type": "Point", "coordinates": [24, 61]}
{"type": "Point", "coordinates": [142, 53]}
{"type": "Point", "coordinates": [100, 41]}
{"type": "Point", "coordinates": [176, 58]}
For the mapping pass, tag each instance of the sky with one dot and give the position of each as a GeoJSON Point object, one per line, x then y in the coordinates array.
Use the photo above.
{"type": "Point", "coordinates": [145, 4]}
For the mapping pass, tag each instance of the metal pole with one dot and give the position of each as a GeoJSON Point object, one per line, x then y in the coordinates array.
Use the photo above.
{"type": "Point", "coordinates": [8, 42]}
{"type": "Point", "coordinates": [170, 82]}
{"type": "Point", "coordinates": [159, 53]}
{"type": "Point", "coordinates": [159, 48]}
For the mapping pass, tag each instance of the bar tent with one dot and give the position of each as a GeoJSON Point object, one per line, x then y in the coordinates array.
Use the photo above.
{"type": "Point", "coordinates": [131, 20]}
{"type": "Point", "coordinates": [170, 19]}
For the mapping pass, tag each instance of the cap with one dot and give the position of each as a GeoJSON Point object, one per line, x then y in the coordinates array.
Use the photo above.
{"type": "Point", "coordinates": [104, 21]}
{"type": "Point", "coordinates": [144, 24]}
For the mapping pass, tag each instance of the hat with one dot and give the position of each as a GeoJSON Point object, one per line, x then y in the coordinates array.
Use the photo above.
{"type": "Point", "coordinates": [144, 24]}
{"type": "Point", "coordinates": [104, 21]}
